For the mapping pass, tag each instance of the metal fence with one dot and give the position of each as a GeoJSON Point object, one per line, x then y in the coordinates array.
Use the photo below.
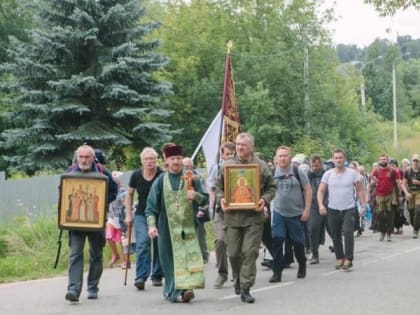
{"type": "Point", "coordinates": [32, 197]}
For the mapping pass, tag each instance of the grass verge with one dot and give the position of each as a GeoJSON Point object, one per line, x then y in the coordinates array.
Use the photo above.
{"type": "Point", "coordinates": [28, 250]}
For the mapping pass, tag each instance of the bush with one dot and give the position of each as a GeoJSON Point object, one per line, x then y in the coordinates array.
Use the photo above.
{"type": "Point", "coordinates": [3, 246]}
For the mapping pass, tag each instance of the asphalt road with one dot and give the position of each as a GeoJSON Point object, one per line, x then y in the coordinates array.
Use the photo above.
{"type": "Point", "coordinates": [385, 280]}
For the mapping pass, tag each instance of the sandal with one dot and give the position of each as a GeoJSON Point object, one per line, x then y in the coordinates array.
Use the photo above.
{"type": "Point", "coordinates": [113, 261]}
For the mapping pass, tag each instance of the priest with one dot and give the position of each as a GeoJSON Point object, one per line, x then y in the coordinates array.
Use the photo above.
{"type": "Point", "coordinates": [171, 218]}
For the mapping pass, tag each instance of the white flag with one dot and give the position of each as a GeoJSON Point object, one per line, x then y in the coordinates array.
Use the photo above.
{"type": "Point", "coordinates": [211, 141]}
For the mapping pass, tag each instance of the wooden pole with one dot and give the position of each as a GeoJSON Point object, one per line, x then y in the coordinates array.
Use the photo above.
{"type": "Point", "coordinates": [127, 255]}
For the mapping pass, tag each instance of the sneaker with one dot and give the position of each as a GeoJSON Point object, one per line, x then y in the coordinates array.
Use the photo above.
{"type": "Point", "coordinates": [220, 281]}
{"type": "Point", "coordinates": [415, 234]}
{"type": "Point", "coordinates": [72, 297]}
{"type": "Point", "coordinates": [92, 295]}
{"type": "Point", "coordinates": [339, 264]}
{"type": "Point", "coordinates": [314, 260]}
{"type": "Point", "coordinates": [187, 296]}
{"type": "Point", "coordinates": [139, 284]}
{"type": "Point", "coordinates": [388, 237]}
{"type": "Point", "coordinates": [347, 266]}
{"type": "Point", "coordinates": [157, 282]}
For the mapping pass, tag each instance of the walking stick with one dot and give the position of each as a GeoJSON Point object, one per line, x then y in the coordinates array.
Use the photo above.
{"type": "Point", "coordinates": [127, 255]}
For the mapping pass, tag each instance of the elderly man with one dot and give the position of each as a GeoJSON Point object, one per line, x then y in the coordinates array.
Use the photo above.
{"type": "Point", "coordinates": [244, 227]}
{"type": "Point", "coordinates": [141, 181]}
{"type": "Point", "coordinates": [85, 156]}
{"type": "Point", "coordinates": [170, 215]}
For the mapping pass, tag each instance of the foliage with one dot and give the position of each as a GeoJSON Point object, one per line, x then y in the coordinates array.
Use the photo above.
{"type": "Point", "coordinates": [15, 16]}
{"type": "Point", "coordinates": [79, 84]}
{"type": "Point", "coordinates": [86, 75]}
{"type": "Point", "coordinates": [382, 56]}
{"type": "Point", "coordinates": [349, 53]}
{"type": "Point", "coordinates": [390, 7]}
{"type": "Point", "coordinates": [410, 73]}
{"type": "Point", "coordinates": [410, 47]}
{"type": "Point", "coordinates": [267, 55]}
{"type": "Point", "coordinates": [28, 250]}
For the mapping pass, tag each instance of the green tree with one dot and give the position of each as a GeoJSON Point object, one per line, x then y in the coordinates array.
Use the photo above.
{"type": "Point", "coordinates": [15, 17]}
{"type": "Point", "coordinates": [381, 55]}
{"type": "Point", "coordinates": [410, 72]}
{"type": "Point", "coordinates": [88, 74]}
{"type": "Point", "coordinates": [348, 53]}
{"type": "Point", "coordinates": [268, 55]}
{"type": "Point", "coordinates": [194, 35]}
{"type": "Point", "coordinates": [390, 7]}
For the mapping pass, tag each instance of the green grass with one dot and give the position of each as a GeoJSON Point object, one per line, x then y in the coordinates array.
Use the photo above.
{"type": "Point", "coordinates": [28, 249]}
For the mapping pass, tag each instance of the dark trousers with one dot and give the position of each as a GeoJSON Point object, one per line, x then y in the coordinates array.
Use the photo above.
{"type": "Point", "coordinates": [342, 224]}
{"type": "Point", "coordinates": [317, 226]}
{"type": "Point", "coordinates": [77, 241]}
{"type": "Point", "coordinates": [288, 251]}
{"type": "Point", "coordinates": [278, 256]}
{"type": "Point", "coordinates": [266, 236]}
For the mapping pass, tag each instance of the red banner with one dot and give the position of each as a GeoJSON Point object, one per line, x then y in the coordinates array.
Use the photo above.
{"type": "Point", "coordinates": [231, 122]}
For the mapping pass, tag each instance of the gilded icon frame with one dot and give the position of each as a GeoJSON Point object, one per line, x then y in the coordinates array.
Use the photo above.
{"type": "Point", "coordinates": [242, 186]}
{"type": "Point", "coordinates": [83, 201]}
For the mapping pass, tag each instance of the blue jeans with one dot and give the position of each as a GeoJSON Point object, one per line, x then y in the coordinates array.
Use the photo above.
{"type": "Point", "coordinates": [143, 252]}
{"type": "Point", "coordinates": [291, 227]}
{"type": "Point", "coordinates": [77, 241]}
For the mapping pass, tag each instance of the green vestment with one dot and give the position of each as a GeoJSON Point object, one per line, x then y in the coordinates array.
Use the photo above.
{"type": "Point", "coordinates": [187, 259]}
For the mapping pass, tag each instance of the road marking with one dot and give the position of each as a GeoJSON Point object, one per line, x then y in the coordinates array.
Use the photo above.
{"type": "Point", "coordinates": [271, 287]}
{"type": "Point", "coordinates": [412, 250]}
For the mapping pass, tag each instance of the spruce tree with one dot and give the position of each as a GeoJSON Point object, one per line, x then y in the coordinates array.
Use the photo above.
{"type": "Point", "coordinates": [87, 74]}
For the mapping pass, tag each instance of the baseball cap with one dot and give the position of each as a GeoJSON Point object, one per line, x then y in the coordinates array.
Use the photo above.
{"type": "Point", "coordinates": [415, 157]}
{"type": "Point", "coordinates": [298, 159]}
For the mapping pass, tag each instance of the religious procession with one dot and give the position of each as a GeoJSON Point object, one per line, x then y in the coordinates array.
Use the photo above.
{"type": "Point", "coordinates": [282, 197]}
{"type": "Point", "coordinates": [291, 205]}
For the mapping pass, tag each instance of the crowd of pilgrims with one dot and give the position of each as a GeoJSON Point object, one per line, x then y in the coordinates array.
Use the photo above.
{"type": "Point", "coordinates": [305, 202]}
{"type": "Point", "coordinates": [401, 179]}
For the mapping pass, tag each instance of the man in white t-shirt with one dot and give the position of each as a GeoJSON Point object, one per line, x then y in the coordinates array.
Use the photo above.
{"type": "Point", "coordinates": [340, 183]}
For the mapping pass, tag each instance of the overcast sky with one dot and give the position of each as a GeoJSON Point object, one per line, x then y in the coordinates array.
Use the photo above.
{"type": "Point", "coordinates": [358, 23]}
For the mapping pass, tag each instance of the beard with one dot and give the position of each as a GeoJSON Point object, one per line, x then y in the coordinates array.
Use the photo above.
{"type": "Point", "coordinates": [384, 164]}
{"type": "Point", "coordinates": [84, 167]}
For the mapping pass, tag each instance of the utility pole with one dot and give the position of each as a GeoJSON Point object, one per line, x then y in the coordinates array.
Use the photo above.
{"type": "Point", "coordinates": [394, 103]}
{"type": "Point", "coordinates": [363, 96]}
{"type": "Point", "coordinates": [306, 89]}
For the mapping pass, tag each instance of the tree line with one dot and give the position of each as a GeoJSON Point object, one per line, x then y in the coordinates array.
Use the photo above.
{"type": "Point", "coordinates": [125, 74]}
